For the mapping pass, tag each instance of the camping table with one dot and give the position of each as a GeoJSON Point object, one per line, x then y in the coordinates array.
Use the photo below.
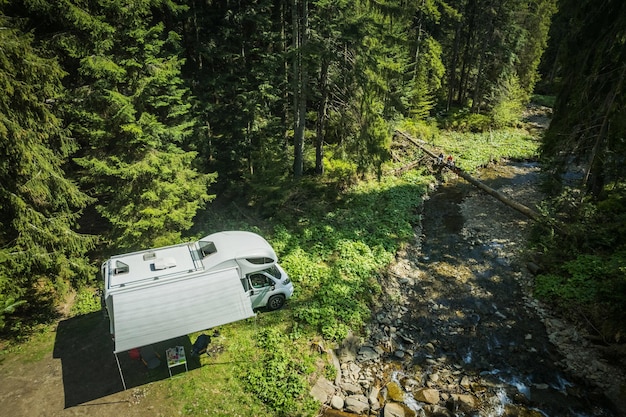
{"type": "Point", "coordinates": [175, 357]}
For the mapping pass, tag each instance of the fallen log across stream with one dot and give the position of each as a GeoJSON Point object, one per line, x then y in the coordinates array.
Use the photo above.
{"type": "Point", "coordinates": [528, 212]}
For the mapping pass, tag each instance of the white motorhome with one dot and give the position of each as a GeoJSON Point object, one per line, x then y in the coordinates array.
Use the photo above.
{"type": "Point", "coordinates": [158, 294]}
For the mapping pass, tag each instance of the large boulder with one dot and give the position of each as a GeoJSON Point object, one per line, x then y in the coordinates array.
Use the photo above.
{"type": "Point", "coordinates": [351, 389]}
{"type": "Point", "coordinates": [322, 390]}
{"type": "Point", "coordinates": [394, 410]}
{"type": "Point", "coordinates": [357, 404]}
{"type": "Point", "coordinates": [337, 402]}
{"type": "Point", "coordinates": [427, 395]}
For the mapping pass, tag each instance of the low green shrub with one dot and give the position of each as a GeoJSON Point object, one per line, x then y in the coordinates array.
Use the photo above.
{"type": "Point", "coordinates": [578, 283]}
{"type": "Point", "coordinates": [86, 301]}
{"type": "Point", "coordinates": [335, 257]}
{"type": "Point", "coordinates": [462, 120]}
{"type": "Point", "coordinates": [278, 375]}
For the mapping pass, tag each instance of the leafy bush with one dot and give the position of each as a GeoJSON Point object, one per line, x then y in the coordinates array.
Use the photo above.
{"type": "Point", "coordinates": [463, 120]}
{"type": "Point", "coordinates": [339, 170]}
{"type": "Point", "coordinates": [585, 258]}
{"type": "Point", "coordinates": [86, 301]}
{"type": "Point", "coordinates": [472, 150]}
{"type": "Point", "coordinates": [334, 256]}
{"type": "Point", "coordinates": [277, 375]}
{"type": "Point", "coordinates": [578, 282]}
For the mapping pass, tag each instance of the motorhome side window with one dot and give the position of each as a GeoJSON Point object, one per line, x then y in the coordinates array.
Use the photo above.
{"type": "Point", "coordinates": [260, 261]}
{"type": "Point", "coordinates": [207, 248]}
{"type": "Point", "coordinates": [258, 280]}
{"type": "Point", "coordinates": [120, 268]}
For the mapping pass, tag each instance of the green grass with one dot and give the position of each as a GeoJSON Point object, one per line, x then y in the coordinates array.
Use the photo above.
{"type": "Point", "coordinates": [474, 150]}
{"type": "Point", "coordinates": [39, 344]}
{"type": "Point", "coordinates": [224, 386]}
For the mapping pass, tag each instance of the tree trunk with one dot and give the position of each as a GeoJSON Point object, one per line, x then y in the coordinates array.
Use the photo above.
{"type": "Point", "coordinates": [321, 117]}
{"type": "Point", "coordinates": [594, 177]}
{"type": "Point", "coordinates": [299, 13]}
{"type": "Point", "coordinates": [494, 193]}
{"type": "Point", "coordinates": [453, 63]}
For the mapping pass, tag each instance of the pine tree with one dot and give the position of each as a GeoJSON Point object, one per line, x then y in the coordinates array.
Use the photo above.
{"type": "Point", "coordinates": [589, 115]}
{"type": "Point", "coordinates": [240, 81]}
{"type": "Point", "coordinates": [39, 206]}
{"type": "Point", "coordinates": [136, 119]}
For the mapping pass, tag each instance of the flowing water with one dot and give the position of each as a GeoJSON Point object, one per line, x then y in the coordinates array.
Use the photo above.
{"type": "Point", "coordinates": [467, 314]}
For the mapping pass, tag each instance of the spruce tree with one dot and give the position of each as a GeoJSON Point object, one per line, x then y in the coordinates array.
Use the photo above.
{"type": "Point", "coordinates": [133, 130]}
{"type": "Point", "coordinates": [589, 115]}
{"type": "Point", "coordinates": [40, 248]}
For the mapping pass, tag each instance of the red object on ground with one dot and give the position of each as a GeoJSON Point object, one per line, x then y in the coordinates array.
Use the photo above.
{"type": "Point", "coordinates": [134, 354]}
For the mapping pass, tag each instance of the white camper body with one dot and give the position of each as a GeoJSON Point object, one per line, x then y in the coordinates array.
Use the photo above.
{"type": "Point", "coordinates": [159, 294]}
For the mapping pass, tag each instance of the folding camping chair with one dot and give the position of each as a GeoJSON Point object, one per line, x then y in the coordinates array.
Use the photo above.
{"type": "Point", "coordinates": [200, 345]}
{"type": "Point", "coordinates": [149, 357]}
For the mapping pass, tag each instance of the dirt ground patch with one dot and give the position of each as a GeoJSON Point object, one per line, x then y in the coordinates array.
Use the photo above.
{"type": "Point", "coordinates": [77, 375]}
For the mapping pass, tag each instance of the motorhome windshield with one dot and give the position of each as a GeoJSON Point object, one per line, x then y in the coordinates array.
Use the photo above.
{"type": "Point", "coordinates": [273, 271]}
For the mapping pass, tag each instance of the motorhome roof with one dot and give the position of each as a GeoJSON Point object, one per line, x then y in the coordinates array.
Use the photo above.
{"type": "Point", "coordinates": [151, 264]}
{"type": "Point", "coordinates": [236, 245]}
{"type": "Point", "coordinates": [177, 260]}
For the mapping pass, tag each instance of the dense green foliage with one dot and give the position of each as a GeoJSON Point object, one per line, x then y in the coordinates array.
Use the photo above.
{"type": "Point", "coordinates": [39, 204]}
{"type": "Point", "coordinates": [336, 253]}
{"type": "Point", "coordinates": [147, 102]}
{"type": "Point", "coordinates": [278, 374]}
{"type": "Point", "coordinates": [584, 148]}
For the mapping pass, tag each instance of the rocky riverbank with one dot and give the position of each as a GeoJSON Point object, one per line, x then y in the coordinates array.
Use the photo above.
{"type": "Point", "coordinates": [457, 332]}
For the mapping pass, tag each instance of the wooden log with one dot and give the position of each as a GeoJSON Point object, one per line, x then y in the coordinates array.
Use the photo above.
{"type": "Point", "coordinates": [528, 212]}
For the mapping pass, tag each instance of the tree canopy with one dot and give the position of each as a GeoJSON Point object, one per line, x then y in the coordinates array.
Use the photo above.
{"type": "Point", "coordinates": [39, 202]}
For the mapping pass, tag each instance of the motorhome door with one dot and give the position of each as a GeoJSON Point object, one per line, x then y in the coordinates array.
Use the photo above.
{"type": "Point", "coordinates": [261, 287]}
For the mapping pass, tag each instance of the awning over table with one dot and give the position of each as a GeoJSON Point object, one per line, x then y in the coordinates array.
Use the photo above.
{"type": "Point", "coordinates": [178, 307]}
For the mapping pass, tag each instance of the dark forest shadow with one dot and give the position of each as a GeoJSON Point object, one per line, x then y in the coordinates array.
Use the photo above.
{"type": "Point", "coordinates": [89, 367]}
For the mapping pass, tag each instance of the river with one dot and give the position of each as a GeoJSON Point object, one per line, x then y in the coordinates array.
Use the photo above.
{"type": "Point", "coordinates": [461, 334]}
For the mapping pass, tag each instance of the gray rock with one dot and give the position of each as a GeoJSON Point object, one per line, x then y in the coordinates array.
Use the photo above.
{"type": "Point", "coordinates": [393, 410]}
{"type": "Point", "coordinates": [373, 398]}
{"type": "Point", "coordinates": [367, 353]}
{"type": "Point", "coordinates": [337, 402]}
{"type": "Point", "coordinates": [373, 394]}
{"type": "Point", "coordinates": [357, 404]}
{"type": "Point", "coordinates": [351, 388]}
{"type": "Point", "coordinates": [348, 349]}
{"type": "Point", "coordinates": [322, 390]}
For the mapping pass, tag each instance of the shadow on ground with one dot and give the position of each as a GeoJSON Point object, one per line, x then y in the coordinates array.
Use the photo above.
{"type": "Point", "coordinates": [89, 367]}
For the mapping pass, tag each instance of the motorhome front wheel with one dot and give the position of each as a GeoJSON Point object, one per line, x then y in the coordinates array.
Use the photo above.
{"type": "Point", "coordinates": [275, 302]}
